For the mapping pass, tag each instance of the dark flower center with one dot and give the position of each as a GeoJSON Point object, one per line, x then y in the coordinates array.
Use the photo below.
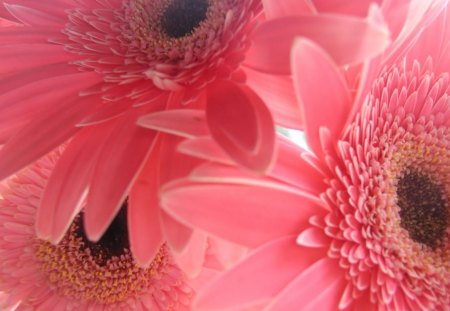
{"type": "Point", "coordinates": [181, 17]}
{"type": "Point", "coordinates": [423, 211]}
{"type": "Point", "coordinates": [114, 241]}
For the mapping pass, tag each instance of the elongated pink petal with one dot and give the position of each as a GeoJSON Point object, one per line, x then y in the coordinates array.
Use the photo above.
{"type": "Point", "coordinates": [68, 184]}
{"type": "Point", "coordinates": [119, 163]}
{"type": "Point", "coordinates": [34, 98]}
{"type": "Point", "coordinates": [320, 286]}
{"type": "Point", "coordinates": [44, 133]}
{"type": "Point", "coordinates": [144, 218]}
{"type": "Point", "coordinates": [176, 233]}
{"type": "Point", "coordinates": [279, 95]}
{"type": "Point", "coordinates": [242, 125]}
{"type": "Point", "coordinates": [348, 40]}
{"type": "Point", "coordinates": [204, 148]}
{"type": "Point", "coordinates": [349, 7]}
{"type": "Point", "coordinates": [322, 106]}
{"type": "Point", "coordinates": [250, 205]}
{"type": "Point", "coordinates": [187, 123]}
{"type": "Point", "coordinates": [291, 168]}
{"type": "Point", "coordinates": [276, 8]}
{"type": "Point", "coordinates": [17, 57]}
{"type": "Point", "coordinates": [252, 281]}
{"type": "Point", "coordinates": [34, 17]}
{"type": "Point", "coordinates": [36, 34]}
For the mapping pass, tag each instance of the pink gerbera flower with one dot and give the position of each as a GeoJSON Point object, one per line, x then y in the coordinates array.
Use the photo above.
{"type": "Point", "coordinates": [77, 274]}
{"type": "Point", "coordinates": [360, 223]}
{"type": "Point", "coordinates": [88, 71]}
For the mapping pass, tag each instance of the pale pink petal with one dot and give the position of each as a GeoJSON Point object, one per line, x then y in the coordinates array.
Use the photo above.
{"type": "Point", "coordinates": [319, 287]}
{"type": "Point", "coordinates": [279, 95]}
{"type": "Point", "coordinates": [225, 252]}
{"type": "Point", "coordinates": [204, 148]}
{"type": "Point", "coordinates": [146, 235]}
{"type": "Point", "coordinates": [122, 157]}
{"type": "Point", "coordinates": [68, 183]}
{"type": "Point", "coordinates": [348, 40]}
{"type": "Point", "coordinates": [176, 233]}
{"type": "Point", "coordinates": [323, 105]}
{"type": "Point", "coordinates": [241, 124]}
{"type": "Point", "coordinates": [250, 206]}
{"type": "Point", "coordinates": [259, 277]}
{"type": "Point", "coordinates": [348, 7]}
{"type": "Point", "coordinates": [187, 123]}
{"type": "Point", "coordinates": [47, 131]}
{"type": "Point", "coordinates": [277, 8]}
{"type": "Point", "coordinates": [313, 237]}
{"type": "Point", "coordinates": [192, 257]}
{"type": "Point", "coordinates": [291, 168]}
{"type": "Point", "coordinates": [34, 17]}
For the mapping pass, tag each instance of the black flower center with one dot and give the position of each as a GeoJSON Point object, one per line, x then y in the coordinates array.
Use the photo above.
{"type": "Point", "coordinates": [181, 17]}
{"type": "Point", "coordinates": [114, 241]}
{"type": "Point", "coordinates": [423, 210]}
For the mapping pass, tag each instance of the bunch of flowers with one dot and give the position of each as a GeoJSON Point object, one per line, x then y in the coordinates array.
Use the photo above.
{"type": "Point", "coordinates": [142, 169]}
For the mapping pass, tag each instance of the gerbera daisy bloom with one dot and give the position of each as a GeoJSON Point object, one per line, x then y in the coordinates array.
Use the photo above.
{"type": "Point", "coordinates": [77, 274]}
{"type": "Point", "coordinates": [87, 71]}
{"type": "Point", "coordinates": [360, 223]}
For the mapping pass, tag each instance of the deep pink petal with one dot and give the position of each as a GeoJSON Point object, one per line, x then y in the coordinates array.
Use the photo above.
{"type": "Point", "coordinates": [44, 133]}
{"type": "Point", "coordinates": [259, 277]}
{"type": "Point", "coordinates": [187, 123]}
{"type": "Point", "coordinates": [33, 16]}
{"type": "Point", "coordinates": [279, 95]}
{"type": "Point", "coordinates": [348, 40]}
{"type": "Point", "coordinates": [123, 156]}
{"type": "Point", "coordinates": [323, 105]}
{"type": "Point", "coordinates": [144, 218]}
{"type": "Point", "coordinates": [68, 183]}
{"type": "Point", "coordinates": [320, 287]}
{"type": "Point", "coordinates": [250, 206]}
{"type": "Point", "coordinates": [242, 125]}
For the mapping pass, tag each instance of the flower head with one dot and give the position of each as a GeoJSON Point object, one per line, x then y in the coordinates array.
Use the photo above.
{"type": "Point", "coordinates": [77, 273]}
{"type": "Point", "coordinates": [103, 75]}
{"type": "Point", "coordinates": [360, 223]}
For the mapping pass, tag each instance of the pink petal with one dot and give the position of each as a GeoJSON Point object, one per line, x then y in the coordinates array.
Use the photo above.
{"type": "Point", "coordinates": [204, 148]}
{"type": "Point", "coordinates": [146, 235]}
{"type": "Point", "coordinates": [313, 237]}
{"type": "Point", "coordinates": [191, 259]}
{"type": "Point", "coordinates": [68, 183]}
{"type": "Point", "coordinates": [176, 233]}
{"type": "Point", "coordinates": [122, 157]}
{"type": "Point", "coordinates": [17, 57]}
{"type": "Point", "coordinates": [225, 252]}
{"type": "Point", "coordinates": [278, 94]}
{"type": "Point", "coordinates": [187, 123]}
{"type": "Point", "coordinates": [348, 40]}
{"type": "Point", "coordinates": [348, 7]}
{"type": "Point", "coordinates": [242, 125]}
{"type": "Point", "coordinates": [250, 207]}
{"type": "Point", "coordinates": [322, 105]}
{"type": "Point", "coordinates": [259, 277]}
{"type": "Point", "coordinates": [34, 17]}
{"type": "Point", "coordinates": [291, 168]}
{"type": "Point", "coordinates": [277, 8]}
{"type": "Point", "coordinates": [318, 287]}
{"type": "Point", "coordinates": [44, 133]}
